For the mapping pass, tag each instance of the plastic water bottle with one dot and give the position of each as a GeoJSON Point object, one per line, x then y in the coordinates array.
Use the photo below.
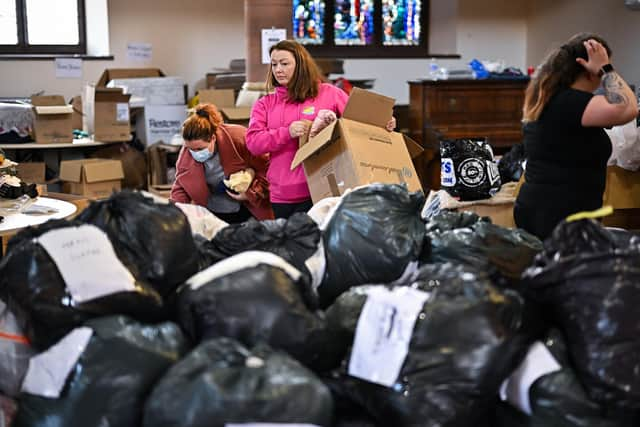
{"type": "Point", "coordinates": [434, 69]}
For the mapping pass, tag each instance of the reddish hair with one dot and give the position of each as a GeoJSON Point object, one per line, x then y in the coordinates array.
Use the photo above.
{"type": "Point", "coordinates": [306, 78]}
{"type": "Point", "coordinates": [202, 123]}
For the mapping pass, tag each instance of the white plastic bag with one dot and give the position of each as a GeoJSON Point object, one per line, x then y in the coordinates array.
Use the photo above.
{"type": "Point", "coordinates": [625, 144]}
{"type": "Point", "coordinates": [202, 220]}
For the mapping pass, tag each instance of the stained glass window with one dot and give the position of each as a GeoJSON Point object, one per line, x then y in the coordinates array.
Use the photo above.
{"type": "Point", "coordinates": [308, 21]}
{"type": "Point", "coordinates": [353, 22]}
{"type": "Point", "coordinates": [401, 22]}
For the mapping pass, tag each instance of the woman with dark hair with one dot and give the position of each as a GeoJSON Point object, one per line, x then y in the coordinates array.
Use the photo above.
{"type": "Point", "coordinates": [280, 118]}
{"type": "Point", "coordinates": [215, 169]}
{"type": "Point", "coordinates": [565, 143]}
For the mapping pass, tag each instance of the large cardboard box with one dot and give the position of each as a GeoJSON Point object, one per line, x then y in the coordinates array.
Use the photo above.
{"type": "Point", "coordinates": [225, 100]}
{"type": "Point", "coordinates": [53, 119]}
{"type": "Point", "coordinates": [76, 116]}
{"type": "Point", "coordinates": [126, 73]}
{"type": "Point", "coordinates": [31, 172]}
{"type": "Point", "coordinates": [94, 178]}
{"type": "Point", "coordinates": [622, 190]}
{"type": "Point", "coordinates": [357, 150]}
{"type": "Point", "coordinates": [106, 114]}
{"type": "Point", "coordinates": [159, 123]}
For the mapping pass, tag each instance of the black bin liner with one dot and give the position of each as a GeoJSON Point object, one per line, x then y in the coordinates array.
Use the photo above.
{"type": "Point", "coordinates": [256, 297]}
{"type": "Point", "coordinates": [153, 236]}
{"type": "Point", "coordinates": [510, 164]}
{"type": "Point", "coordinates": [461, 238]}
{"type": "Point", "coordinates": [588, 279]}
{"type": "Point", "coordinates": [468, 170]}
{"type": "Point", "coordinates": [373, 235]}
{"type": "Point", "coordinates": [34, 290]}
{"type": "Point", "coordinates": [467, 339]}
{"type": "Point", "coordinates": [222, 382]}
{"type": "Point", "coordinates": [110, 382]}
{"type": "Point", "coordinates": [15, 352]}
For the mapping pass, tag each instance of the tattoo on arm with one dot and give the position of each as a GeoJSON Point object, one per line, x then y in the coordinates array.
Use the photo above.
{"type": "Point", "coordinates": [613, 89]}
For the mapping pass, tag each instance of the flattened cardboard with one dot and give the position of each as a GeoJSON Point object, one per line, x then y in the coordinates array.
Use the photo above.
{"type": "Point", "coordinates": [350, 153]}
{"type": "Point", "coordinates": [53, 119]}
{"type": "Point", "coordinates": [94, 178]}
{"type": "Point", "coordinates": [224, 100]}
{"type": "Point", "coordinates": [123, 73]}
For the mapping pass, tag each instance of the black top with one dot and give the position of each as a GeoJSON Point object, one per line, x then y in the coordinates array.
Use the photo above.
{"type": "Point", "coordinates": [566, 164]}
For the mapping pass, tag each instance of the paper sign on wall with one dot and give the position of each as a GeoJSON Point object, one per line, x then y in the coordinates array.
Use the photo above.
{"type": "Point", "coordinates": [269, 38]}
{"type": "Point", "coordinates": [68, 68]}
{"type": "Point", "coordinates": [87, 262]}
{"type": "Point", "coordinates": [139, 52]}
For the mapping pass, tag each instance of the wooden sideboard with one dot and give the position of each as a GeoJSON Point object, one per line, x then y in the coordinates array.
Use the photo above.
{"type": "Point", "coordinates": [490, 108]}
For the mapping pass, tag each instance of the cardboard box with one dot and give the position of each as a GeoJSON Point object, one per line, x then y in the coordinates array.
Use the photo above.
{"type": "Point", "coordinates": [224, 99]}
{"type": "Point", "coordinates": [357, 150]}
{"type": "Point", "coordinates": [153, 90]}
{"type": "Point", "coordinates": [126, 73]}
{"type": "Point", "coordinates": [159, 123]}
{"type": "Point", "coordinates": [52, 119]}
{"type": "Point", "coordinates": [501, 215]}
{"type": "Point", "coordinates": [106, 114]}
{"type": "Point", "coordinates": [32, 172]}
{"type": "Point", "coordinates": [622, 189]}
{"type": "Point", "coordinates": [76, 116]}
{"type": "Point", "coordinates": [94, 178]}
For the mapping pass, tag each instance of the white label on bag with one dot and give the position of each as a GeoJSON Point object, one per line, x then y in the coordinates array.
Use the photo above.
{"type": "Point", "coordinates": [48, 371]}
{"type": "Point", "coordinates": [87, 262]}
{"type": "Point", "coordinates": [538, 362]}
{"type": "Point", "coordinates": [384, 332]}
{"type": "Point", "coordinates": [269, 425]}
{"type": "Point", "coordinates": [492, 171]}
{"type": "Point", "coordinates": [447, 173]}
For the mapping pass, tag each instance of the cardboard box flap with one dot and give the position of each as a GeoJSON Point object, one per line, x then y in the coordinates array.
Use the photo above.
{"type": "Point", "coordinates": [237, 113]}
{"type": "Point", "coordinates": [324, 138]}
{"type": "Point", "coordinates": [219, 97]}
{"type": "Point", "coordinates": [103, 94]}
{"type": "Point", "coordinates": [71, 170]}
{"type": "Point", "coordinates": [413, 147]}
{"type": "Point", "coordinates": [54, 109]}
{"type": "Point", "coordinates": [103, 170]}
{"type": "Point", "coordinates": [368, 107]}
{"type": "Point", "coordinates": [47, 100]}
{"type": "Point", "coordinates": [124, 73]}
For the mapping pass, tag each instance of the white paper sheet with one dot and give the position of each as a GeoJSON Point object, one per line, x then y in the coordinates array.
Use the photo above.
{"type": "Point", "coordinates": [68, 68]}
{"type": "Point", "coordinates": [270, 37]}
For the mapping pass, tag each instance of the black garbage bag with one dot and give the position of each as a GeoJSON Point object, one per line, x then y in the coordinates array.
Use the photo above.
{"type": "Point", "coordinates": [155, 237]}
{"type": "Point", "coordinates": [294, 239]}
{"type": "Point", "coordinates": [109, 383]}
{"type": "Point", "coordinates": [468, 169]}
{"type": "Point", "coordinates": [221, 382]}
{"type": "Point", "coordinates": [503, 252]}
{"type": "Point", "coordinates": [15, 352]}
{"type": "Point", "coordinates": [510, 164]}
{"type": "Point", "coordinates": [257, 297]}
{"type": "Point", "coordinates": [588, 279]}
{"type": "Point", "coordinates": [372, 237]}
{"type": "Point", "coordinates": [34, 288]}
{"type": "Point", "coordinates": [468, 337]}
{"type": "Point", "coordinates": [558, 399]}
{"type": "Point", "coordinates": [8, 408]}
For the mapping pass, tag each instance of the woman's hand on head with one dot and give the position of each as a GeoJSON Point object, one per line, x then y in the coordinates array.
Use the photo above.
{"type": "Point", "coordinates": [299, 128]}
{"type": "Point", "coordinates": [597, 57]}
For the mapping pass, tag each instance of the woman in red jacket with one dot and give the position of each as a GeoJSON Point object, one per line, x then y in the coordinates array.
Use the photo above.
{"type": "Point", "coordinates": [213, 156]}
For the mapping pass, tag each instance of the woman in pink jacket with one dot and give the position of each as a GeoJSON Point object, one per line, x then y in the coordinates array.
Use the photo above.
{"type": "Point", "coordinates": [280, 118]}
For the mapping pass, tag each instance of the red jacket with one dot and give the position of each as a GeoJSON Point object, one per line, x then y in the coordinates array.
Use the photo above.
{"type": "Point", "coordinates": [190, 185]}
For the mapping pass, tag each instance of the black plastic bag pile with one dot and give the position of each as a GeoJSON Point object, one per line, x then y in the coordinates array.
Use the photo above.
{"type": "Point", "coordinates": [15, 352]}
{"type": "Point", "coordinates": [558, 398]}
{"type": "Point", "coordinates": [153, 236]}
{"type": "Point", "coordinates": [294, 239]}
{"type": "Point", "coordinates": [108, 384]}
{"type": "Point", "coordinates": [374, 234]}
{"type": "Point", "coordinates": [588, 279]}
{"type": "Point", "coordinates": [8, 408]}
{"type": "Point", "coordinates": [468, 169]}
{"type": "Point", "coordinates": [463, 238]}
{"type": "Point", "coordinates": [510, 164]}
{"type": "Point", "coordinates": [35, 291]}
{"type": "Point", "coordinates": [258, 297]}
{"type": "Point", "coordinates": [221, 382]}
{"type": "Point", "coordinates": [467, 338]}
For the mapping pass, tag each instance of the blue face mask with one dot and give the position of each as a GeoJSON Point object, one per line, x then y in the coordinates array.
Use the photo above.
{"type": "Point", "coordinates": [201, 156]}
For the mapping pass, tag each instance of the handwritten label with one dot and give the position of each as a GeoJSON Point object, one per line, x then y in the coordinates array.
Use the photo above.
{"type": "Point", "coordinates": [68, 68]}
{"type": "Point", "coordinates": [269, 38]}
{"type": "Point", "coordinates": [384, 332]}
{"type": "Point", "coordinates": [87, 262]}
{"type": "Point", "coordinates": [139, 52]}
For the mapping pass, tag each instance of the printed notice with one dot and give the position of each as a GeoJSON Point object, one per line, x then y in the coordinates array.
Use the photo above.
{"type": "Point", "coordinates": [269, 38]}
{"type": "Point", "coordinates": [68, 68]}
{"type": "Point", "coordinates": [87, 262]}
{"type": "Point", "coordinates": [383, 334]}
{"type": "Point", "coordinates": [139, 52]}
{"type": "Point", "coordinates": [122, 112]}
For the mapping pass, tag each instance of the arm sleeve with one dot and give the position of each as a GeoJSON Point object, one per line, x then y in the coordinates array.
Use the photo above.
{"type": "Point", "coordinates": [341, 101]}
{"type": "Point", "coordinates": [259, 188]}
{"type": "Point", "coordinates": [261, 139]}
{"type": "Point", "coordinates": [178, 193]}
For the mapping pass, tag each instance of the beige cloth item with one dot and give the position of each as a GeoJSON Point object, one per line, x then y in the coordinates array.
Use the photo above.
{"type": "Point", "coordinates": [240, 181]}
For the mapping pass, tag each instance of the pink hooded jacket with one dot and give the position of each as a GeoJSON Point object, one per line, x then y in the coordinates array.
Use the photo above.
{"type": "Point", "coordinates": [269, 133]}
